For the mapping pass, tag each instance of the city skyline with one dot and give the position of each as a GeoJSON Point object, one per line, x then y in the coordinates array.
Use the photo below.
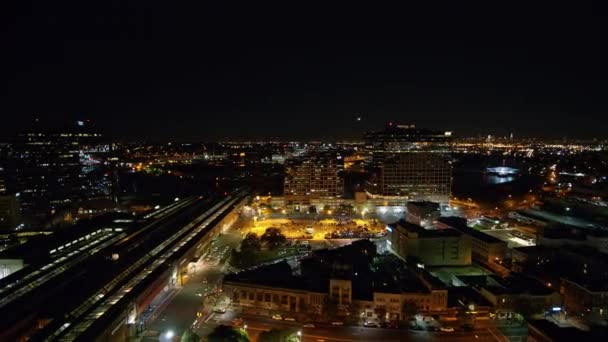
{"type": "Point", "coordinates": [259, 172]}
{"type": "Point", "coordinates": [214, 72]}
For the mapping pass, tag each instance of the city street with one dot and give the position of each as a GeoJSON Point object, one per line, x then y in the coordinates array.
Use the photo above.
{"type": "Point", "coordinates": [179, 311]}
{"type": "Point", "coordinates": [256, 324]}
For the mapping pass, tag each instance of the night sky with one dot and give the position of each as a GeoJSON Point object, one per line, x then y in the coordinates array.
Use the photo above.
{"type": "Point", "coordinates": [221, 70]}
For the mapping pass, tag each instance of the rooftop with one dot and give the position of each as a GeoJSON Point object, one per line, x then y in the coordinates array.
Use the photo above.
{"type": "Point", "coordinates": [274, 275]}
{"type": "Point", "coordinates": [460, 224]}
{"type": "Point", "coordinates": [425, 233]}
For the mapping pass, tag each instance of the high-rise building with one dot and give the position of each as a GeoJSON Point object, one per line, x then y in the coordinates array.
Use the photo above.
{"type": "Point", "coordinates": [409, 164]}
{"type": "Point", "coordinates": [49, 166]}
{"type": "Point", "coordinates": [315, 175]}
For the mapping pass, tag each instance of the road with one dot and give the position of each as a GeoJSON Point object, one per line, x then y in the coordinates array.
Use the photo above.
{"type": "Point", "coordinates": [179, 310]}
{"type": "Point", "coordinates": [256, 324]}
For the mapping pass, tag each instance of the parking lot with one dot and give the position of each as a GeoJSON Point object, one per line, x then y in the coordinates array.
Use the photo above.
{"type": "Point", "coordinates": [319, 229]}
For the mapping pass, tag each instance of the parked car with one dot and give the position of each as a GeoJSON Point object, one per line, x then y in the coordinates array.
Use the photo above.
{"type": "Point", "coordinates": [337, 323]}
{"type": "Point", "coordinates": [309, 325]}
{"type": "Point", "coordinates": [447, 329]}
{"type": "Point", "coordinates": [290, 319]}
{"type": "Point", "coordinates": [277, 317]}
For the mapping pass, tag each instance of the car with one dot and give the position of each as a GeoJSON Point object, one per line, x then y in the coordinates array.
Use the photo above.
{"type": "Point", "coordinates": [290, 319]}
{"type": "Point", "coordinates": [371, 325]}
{"type": "Point", "coordinates": [447, 329]}
{"type": "Point", "coordinates": [309, 325]}
{"type": "Point", "coordinates": [219, 311]}
{"type": "Point", "coordinates": [337, 323]}
{"type": "Point", "coordinates": [277, 317]}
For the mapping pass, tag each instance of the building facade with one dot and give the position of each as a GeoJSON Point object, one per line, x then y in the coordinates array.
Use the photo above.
{"type": "Point", "coordinates": [485, 249]}
{"type": "Point", "coordinates": [438, 247]}
{"type": "Point", "coordinates": [313, 176]}
{"type": "Point", "coordinates": [409, 164]}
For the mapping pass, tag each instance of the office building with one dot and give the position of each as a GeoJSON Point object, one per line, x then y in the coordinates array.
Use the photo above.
{"type": "Point", "coordinates": [430, 247]}
{"type": "Point", "coordinates": [409, 164]}
{"type": "Point", "coordinates": [313, 176]}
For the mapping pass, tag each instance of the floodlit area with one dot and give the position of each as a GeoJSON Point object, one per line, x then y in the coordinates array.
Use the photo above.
{"type": "Point", "coordinates": [318, 229]}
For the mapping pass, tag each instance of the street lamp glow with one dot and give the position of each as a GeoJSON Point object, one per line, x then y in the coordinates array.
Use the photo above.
{"type": "Point", "coordinates": [299, 333]}
{"type": "Point", "coordinates": [170, 334]}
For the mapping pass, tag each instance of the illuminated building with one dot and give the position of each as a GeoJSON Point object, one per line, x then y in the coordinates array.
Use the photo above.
{"type": "Point", "coordinates": [409, 164]}
{"type": "Point", "coordinates": [433, 247]}
{"type": "Point", "coordinates": [313, 176]}
{"type": "Point", "coordinates": [485, 249]}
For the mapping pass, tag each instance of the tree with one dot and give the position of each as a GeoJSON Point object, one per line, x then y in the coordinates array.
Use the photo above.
{"type": "Point", "coordinates": [225, 333]}
{"type": "Point", "coordinates": [276, 335]}
{"type": "Point", "coordinates": [410, 308]}
{"type": "Point", "coordinates": [273, 237]}
{"type": "Point", "coordinates": [251, 242]}
{"type": "Point", "coordinates": [190, 336]}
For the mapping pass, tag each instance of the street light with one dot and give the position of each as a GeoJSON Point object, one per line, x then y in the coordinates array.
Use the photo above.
{"type": "Point", "coordinates": [169, 334]}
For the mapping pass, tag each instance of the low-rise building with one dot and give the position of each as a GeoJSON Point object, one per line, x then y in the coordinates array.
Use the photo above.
{"type": "Point", "coordinates": [485, 249]}
{"type": "Point", "coordinates": [516, 294]}
{"type": "Point", "coordinates": [583, 297]}
{"type": "Point", "coordinates": [328, 286]}
{"type": "Point", "coordinates": [433, 247]}
{"type": "Point", "coordinates": [423, 213]}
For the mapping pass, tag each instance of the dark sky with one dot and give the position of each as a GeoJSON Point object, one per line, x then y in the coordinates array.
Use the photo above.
{"type": "Point", "coordinates": [221, 69]}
